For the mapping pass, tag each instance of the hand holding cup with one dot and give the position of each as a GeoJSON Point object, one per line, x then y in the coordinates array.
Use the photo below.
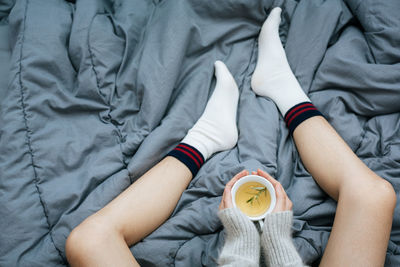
{"type": "Point", "coordinates": [282, 203]}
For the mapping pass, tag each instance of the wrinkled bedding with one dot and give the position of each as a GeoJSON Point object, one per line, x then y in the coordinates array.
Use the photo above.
{"type": "Point", "coordinates": [94, 93]}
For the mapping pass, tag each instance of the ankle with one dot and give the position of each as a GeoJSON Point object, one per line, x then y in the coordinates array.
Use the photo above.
{"type": "Point", "coordinates": [210, 137]}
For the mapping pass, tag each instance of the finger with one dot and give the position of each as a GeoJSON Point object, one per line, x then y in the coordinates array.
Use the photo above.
{"type": "Point", "coordinates": [222, 205]}
{"type": "Point", "coordinates": [236, 177]}
{"type": "Point", "coordinates": [254, 173]}
{"type": "Point", "coordinates": [228, 198]}
{"type": "Point", "coordinates": [284, 192]}
{"type": "Point", "coordinates": [226, 201]}
{"type": "Point", "coordinates": [280, 198]}
{"type": "Point", "coordinates": [286, 203]}
{"type": "Point", "coordinates": [283, 197]}
{"type": "Point", "coordinates": [289, 204]}
{"type": "Point", "coordinates": [267, 176]}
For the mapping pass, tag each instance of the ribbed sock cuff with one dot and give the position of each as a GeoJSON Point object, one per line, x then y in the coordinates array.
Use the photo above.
{"type": "Point", "coordinates": [299, 113]}
{"type": "Point", "coordinates": [189, 156]}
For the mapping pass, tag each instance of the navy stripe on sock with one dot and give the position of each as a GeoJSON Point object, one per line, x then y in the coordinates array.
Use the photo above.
{"type": "Point", "coordinates": [299, 113]}
{"type": "Point", "coordinates": [189, 156]}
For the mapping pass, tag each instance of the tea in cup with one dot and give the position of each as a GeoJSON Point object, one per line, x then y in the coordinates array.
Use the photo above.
{"type": "Point", "coordinates": [254, 196]}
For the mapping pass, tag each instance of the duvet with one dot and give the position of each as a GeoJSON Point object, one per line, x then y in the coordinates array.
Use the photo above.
{"type": "Point", "coordinates": [95, 92]}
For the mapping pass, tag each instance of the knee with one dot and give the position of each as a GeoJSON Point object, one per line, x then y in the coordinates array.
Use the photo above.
{"type": "Point", "coordinates": [84, 242]}
{"type": "Point", "coordinates": [385, 194]}
{"type": "Point", "coordinates": [377, 194]}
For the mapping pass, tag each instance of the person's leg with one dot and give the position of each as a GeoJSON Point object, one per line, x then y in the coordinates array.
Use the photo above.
{"type": "Point", "coordinates": [104, 238]}
{"type": "Point", "coordinates": [366, 202]}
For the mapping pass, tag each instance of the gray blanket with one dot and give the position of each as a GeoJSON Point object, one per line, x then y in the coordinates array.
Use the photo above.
{"type": "Point", "coordinates": [95, 93]}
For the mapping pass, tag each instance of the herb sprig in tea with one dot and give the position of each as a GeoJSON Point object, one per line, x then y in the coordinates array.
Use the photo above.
{"type": "Point", "coordinates": [256, 195]}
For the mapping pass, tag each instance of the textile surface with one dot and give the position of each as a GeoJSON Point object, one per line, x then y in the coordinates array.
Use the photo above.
{"type": "Point", "coordinates": [94, 93]}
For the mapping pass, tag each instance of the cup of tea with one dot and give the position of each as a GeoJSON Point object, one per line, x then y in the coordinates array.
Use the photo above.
{"type": "Point", "coordinates": [254, 196]}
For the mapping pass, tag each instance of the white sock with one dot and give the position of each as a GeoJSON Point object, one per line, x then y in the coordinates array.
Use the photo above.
{"type": "Point", "coordinates": [216, 129]}
{"type": "Point", "coordinates": [272, 76]}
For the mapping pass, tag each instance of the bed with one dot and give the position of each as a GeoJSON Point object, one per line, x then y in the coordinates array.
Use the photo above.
{"type": "Point", "coordinates": [94, 93]}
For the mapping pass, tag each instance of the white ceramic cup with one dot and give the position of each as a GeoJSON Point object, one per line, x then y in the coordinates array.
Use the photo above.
{"type": "Point", "coordinates": [263, 181]}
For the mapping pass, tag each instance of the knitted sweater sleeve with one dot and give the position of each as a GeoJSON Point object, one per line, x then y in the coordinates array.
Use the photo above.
{"type": "Point", "coordinates": [242, 240]}
{"type": "Point", "coordinates": [276, 241]}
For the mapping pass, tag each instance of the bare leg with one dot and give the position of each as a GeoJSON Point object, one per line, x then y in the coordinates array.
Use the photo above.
{"type": "Point", "coordinates": [134, 214]}
{"type": "Point", "coordinates": [366, 202]}
{"type": "Point", "coordinates": [104, 238]}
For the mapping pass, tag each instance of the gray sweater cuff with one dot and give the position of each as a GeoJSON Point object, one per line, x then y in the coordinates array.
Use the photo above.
{"type": "Point", "coordinates": [242, 241]}
{"type": "Point", "coordinates": [276, 240]}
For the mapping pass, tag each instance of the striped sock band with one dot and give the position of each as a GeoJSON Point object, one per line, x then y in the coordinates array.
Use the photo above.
{"type": "Point", "coordinates": [189, 156]}
{"type": "Point", "coordinates": [300, 113]}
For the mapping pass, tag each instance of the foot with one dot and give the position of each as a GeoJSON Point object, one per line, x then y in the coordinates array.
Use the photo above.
{"type": "Point", "coordinates": [216, 129]}
{"type": "Point", "coordinates": [272, 76]}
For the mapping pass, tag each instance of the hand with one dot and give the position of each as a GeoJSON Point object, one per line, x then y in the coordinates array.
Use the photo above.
{"type": "Point", "coordinates": [283, 203]}
{"type": "Point", "coordinates": [226, 201]}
